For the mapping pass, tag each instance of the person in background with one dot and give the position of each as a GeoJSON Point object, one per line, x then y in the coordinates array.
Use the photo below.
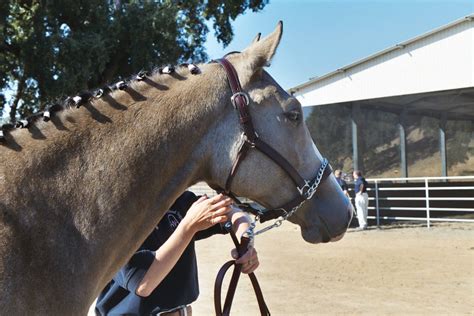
{"type": "Point", "coordinates": [361, 199]}
{"type": "Point", "coordinates": [342, 183]}
{"type": "Point", "coordinates": [161, 277]}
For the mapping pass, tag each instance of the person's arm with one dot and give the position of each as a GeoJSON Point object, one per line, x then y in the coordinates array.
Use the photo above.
{"type": "Point", "coordinates": [345, 189]}
{"type": "Point", "coordinates": [240, 223]}
{"type": "Point", "coordinates": [361, 187]}
{"type": "Point", "coordinates": [203, 214]}
{"type": "Point", "coordinates": [131, 273]}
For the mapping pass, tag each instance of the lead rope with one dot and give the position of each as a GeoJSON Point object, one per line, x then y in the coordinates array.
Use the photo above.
{"type": "Point", "coordinates": [241, 250]}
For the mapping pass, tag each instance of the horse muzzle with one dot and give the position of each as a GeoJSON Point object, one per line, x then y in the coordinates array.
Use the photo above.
{"type": "Point", "coordinates": [322, 232]}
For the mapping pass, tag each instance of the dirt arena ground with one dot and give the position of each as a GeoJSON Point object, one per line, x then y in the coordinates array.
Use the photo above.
{"type": "Point", "coordinates": [396, 270]}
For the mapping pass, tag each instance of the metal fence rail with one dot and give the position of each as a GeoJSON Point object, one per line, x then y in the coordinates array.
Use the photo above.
{"type": "Point", "coordinates": [429, 199]}
{"type": "Point", "coordinates": [439, 199]}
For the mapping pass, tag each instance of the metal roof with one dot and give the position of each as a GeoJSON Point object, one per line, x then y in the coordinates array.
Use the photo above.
{"type": "Point", "coordinates": [457, 104]}
{"type": "Point", "coordinates": [401, 45]}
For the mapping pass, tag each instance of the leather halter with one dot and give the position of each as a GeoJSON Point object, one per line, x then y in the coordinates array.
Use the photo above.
{"type": "Point", "coordinates": [240, 100]}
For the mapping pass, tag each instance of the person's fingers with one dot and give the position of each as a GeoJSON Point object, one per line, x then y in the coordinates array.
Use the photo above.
{"type": "Point", "coordinates": [250, 267]}
{"type": "Point", "coordinates": [221, 203]}
{"type": "Point", "coordinates": [221, 211]}
{"type": "Point", "coordinates": [249, 260]}
{"type": "Point", "coordinates": [201, 198]}
{"type": "Point", "coordinates": [217, 198]}
{"type": "Point", "coordinates": [234, 253]}
{"type": "Point", "coordinates": [218, 219]}
{"type": "Point", "coordinates": [250, 254]}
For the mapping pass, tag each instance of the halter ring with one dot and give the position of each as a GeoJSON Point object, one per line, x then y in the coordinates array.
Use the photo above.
{"type": "Point", "coordinates": [304, 189]}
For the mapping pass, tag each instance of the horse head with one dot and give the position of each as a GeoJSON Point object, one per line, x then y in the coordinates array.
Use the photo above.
{"type": "Point", "coordinates": [276, 119]}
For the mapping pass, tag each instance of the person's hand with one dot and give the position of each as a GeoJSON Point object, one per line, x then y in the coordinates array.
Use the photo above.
{"type": "Point", "coordinates": [249, 260]}
{"type": "Point", "coordinates": [207, 212]}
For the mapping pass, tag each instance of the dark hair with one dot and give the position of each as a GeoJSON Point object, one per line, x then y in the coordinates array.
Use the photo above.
{"type": "Point", "coordinates": [358, 173]}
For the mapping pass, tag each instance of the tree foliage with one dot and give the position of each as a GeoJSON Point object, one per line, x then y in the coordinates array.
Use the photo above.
{"type": "Point", "coordinates": [54, 48]}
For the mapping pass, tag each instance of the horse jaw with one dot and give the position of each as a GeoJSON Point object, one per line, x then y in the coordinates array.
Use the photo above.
{"type": "Point", "coordinates": [326, 216]}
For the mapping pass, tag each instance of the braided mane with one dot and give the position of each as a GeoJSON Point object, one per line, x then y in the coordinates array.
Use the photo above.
{"type": "Point", "coordinates": [85, 97]}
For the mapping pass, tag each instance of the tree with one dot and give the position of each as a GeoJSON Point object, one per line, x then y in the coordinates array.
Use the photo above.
{"type": "Point", "coordinates": [54, 48]}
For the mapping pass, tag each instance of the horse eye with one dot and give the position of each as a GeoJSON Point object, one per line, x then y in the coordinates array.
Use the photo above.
{"type": "Point", "coordinates": [293, 115]}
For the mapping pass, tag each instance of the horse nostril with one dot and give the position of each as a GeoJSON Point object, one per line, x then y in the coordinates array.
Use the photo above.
{"type": "Point", "coordinates": [325, 235]}
{"type": "Point", "coordinates": [339, 234]}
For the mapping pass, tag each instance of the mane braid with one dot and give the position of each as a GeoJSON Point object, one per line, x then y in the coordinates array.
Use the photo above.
{"type": "Point", "coordinates": [86, 96]}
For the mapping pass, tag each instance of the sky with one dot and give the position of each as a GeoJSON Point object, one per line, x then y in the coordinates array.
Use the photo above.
{"type": "Point", "coordinates": [320, 36]}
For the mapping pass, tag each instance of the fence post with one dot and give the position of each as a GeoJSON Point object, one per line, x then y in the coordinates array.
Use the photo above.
{"type": "Point", "coordinates": [427, 197]}
{"type": "Point", "coordinates": [377, 203]}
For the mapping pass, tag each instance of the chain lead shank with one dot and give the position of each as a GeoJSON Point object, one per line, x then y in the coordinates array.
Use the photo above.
{"type": "Point", "coordinates": [309, 194]}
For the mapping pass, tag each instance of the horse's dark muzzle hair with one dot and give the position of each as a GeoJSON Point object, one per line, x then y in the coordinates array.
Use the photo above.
{"type": "Point", "coordinates": [338, 234]}
{"type": "Point", "coordinates": [335, 234]}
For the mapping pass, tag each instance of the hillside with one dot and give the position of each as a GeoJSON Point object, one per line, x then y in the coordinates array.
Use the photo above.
{"type": "Point", "coordinates": [379, 143]}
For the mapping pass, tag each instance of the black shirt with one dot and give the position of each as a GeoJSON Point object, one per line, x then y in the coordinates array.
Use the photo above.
{"type": "Point", "coordinates": [342, 183]}
{"type": "Point", "coordinates": [179, 287]}
{"type": "Point", "coordinates": [360, 181]}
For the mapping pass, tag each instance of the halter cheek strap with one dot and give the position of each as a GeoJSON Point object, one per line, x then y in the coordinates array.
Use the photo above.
{"type": "Point", "coordinates": [306, 188]}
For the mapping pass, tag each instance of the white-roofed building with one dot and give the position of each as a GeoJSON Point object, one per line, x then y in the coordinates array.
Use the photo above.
{"type": "Point", "coordinates": [431, 75]}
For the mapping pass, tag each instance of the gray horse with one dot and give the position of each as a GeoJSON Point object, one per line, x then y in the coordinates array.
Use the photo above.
{"type": "Point", "coordinates": [81, 192]}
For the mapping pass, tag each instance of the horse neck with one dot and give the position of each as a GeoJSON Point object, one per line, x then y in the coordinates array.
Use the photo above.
{"type": "Point", "coordinates": [163, 156]}
{"type": "Point", "coordinates": [116, 168]}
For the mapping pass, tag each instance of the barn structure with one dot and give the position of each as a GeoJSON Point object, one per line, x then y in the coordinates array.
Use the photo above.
{"type": "Point", "coordinates": [431, 75]}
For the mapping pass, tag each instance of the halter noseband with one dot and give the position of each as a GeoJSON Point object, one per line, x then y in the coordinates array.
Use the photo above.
{"type": "Point", "coordinates": [306, 188]}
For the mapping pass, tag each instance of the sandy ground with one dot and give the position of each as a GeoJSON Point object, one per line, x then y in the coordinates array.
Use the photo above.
{"type": "Point", "coordinates": [396, 270]}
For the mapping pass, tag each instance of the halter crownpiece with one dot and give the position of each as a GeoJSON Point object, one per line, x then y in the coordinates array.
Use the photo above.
{"type": "Point", "coordinates": [306, 188]}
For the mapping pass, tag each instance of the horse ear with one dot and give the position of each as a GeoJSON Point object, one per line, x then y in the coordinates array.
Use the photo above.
{"type": "Point", "coordinates": [258, 55]}
{"type": "Point", "coordinates": [257, 38]}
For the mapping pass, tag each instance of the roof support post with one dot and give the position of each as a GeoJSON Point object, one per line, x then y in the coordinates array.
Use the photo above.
{"type": "Point", "coordinates": [403, 145]}
{"type": "Point", "coordinates": [355, 146]}
{"type": "Point", "coordinates": [442, 145]}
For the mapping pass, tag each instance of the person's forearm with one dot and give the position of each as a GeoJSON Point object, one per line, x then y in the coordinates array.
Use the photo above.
{"type": "Point", "coordinates": [240, 222]}
{"type": "Point", "coordinates": [165, 259]}
{"type": "Point", "coordinates": [249, 260]}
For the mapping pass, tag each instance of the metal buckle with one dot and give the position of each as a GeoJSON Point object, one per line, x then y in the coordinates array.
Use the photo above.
{"type": "Point", "coordinates": [241, 93]}
{"type": "Point", "coordinates": [246, 139]}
